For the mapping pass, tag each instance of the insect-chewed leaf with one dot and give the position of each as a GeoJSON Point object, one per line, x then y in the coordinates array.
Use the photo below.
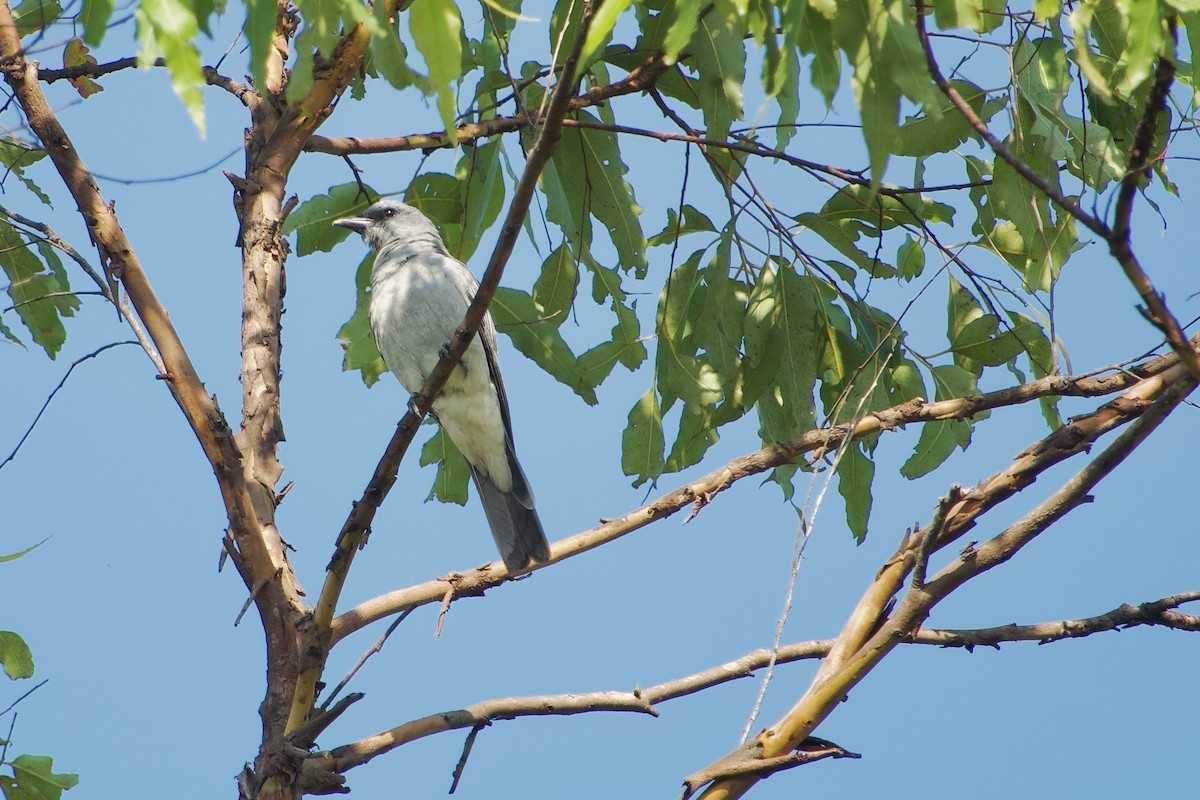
{"type": "Point", "coordinates": [76, 55]}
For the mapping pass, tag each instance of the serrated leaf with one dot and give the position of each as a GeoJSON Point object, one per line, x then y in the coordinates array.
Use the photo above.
{"type": "Point", "coordinates": [312, 220]}
{"type": "Point", "coordinates": [642, 442]}
{"type": "Point", "coordinates": [358, 342]}
{"type": "Point", "coordinates": [436, 28]}
{"type": "Point", "coordinates": [450, 483]}
{"type": "Point", "coordinates": [15, 655]}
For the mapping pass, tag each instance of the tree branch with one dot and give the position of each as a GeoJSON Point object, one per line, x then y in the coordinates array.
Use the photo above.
{"type": "Point", "coordinates": [474, 582]}
{"type": "Point", "coordinates": [120, 264]}
{"type": "Point", "coordinates": [638, 80]}
{"type": "Point", "coordinates": [831, 685]}
{"type": "Point", "coordinates": [645, 700]}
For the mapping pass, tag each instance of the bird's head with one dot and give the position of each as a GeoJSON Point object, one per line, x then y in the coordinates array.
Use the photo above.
{"type": "Point", "coordinates": [390, 222]}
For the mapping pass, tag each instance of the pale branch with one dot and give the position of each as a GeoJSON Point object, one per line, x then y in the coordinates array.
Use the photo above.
{"type": "Point", "coordinates": [358, 523]}
{"type": "Point", "coordinates": [1146, 404]}
{"type": "Point", "coordinates": [747, 762]}
{"type": "Point", "coordinates": [348, 756]}
{"type": "Point", "coordinates": [1158, 612]}
{"type": "Point", "coordinates": [644, 700]}
{"type": "Point", "coordinates": [475, 582]}
{"type": "Point", "coordinates": [1118, 236]}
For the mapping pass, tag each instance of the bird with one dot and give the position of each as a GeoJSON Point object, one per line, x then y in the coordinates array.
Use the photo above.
{"type": "Point", "coordinates": [419, 296]}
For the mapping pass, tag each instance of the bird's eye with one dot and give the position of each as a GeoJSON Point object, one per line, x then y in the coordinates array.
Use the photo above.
{"type": "Point", "coordinates": [389, 212]}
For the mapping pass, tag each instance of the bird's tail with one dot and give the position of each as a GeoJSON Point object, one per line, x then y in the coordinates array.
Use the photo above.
{"type": "Point", "coordinates": [515, 525]}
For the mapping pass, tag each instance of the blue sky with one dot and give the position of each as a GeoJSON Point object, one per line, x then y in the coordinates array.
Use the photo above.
{"type": "Point", "coordinates": [151, 685]}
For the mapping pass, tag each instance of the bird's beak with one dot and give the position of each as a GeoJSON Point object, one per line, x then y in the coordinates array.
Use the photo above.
{"type": "Point", "coordinates": [358, 224]}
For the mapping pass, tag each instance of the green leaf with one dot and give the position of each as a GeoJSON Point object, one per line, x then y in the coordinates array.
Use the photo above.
{"type": "Point", "coordinates": [910, 259]}
{"type": "Point", "coordinates": [16, 156]}
{"type": "Point", "coordinates": [1143, 22]}
{"type": "Point", "coordinates": [15, 655]}
{"type": "Point", "coordinates": [794, 305]}
{"type": "Point", "coordinates": [601, 29]}
{"type": "Point", "coordinates": [25, 552]}
{"type": "Point", "coordinates": [436, 28]}
{"type": "Point", "coordinates": [450, 483]}
{"type": "Point", "coordinates": [938, 439]}
{"type": "Point", "coordinates": [167, 29]}
{"type": "Point", "coordinates": [518, 317]}
{"type": "Point", "coordinates": [642, 442]}
{"type": "Point", "coordinates": [980, 16]}
{"type": "Point", "coordinates": [439, 197]}
{"type": "Point", "coordinates": [35, 15]}
{"type": "Point", "coordinates": [259, 30]}
{"type": "Point", "coordinates": [586, 178]}
{"type": "Point", "coordinates": [94, 18]}
{"type": "Point", "coordinates": [941, 132]}
{"type": "Point", "coordinates": [554, 290]}
{"type": "Point", "coordinates": [718, 56]}
{"type": "Point", "coordinates": [855, 473]}
{"type": "Point", "coordinates": [388, 55]}
{"type": "Point", "coordinates": [693, 221]}
{"type": "Point", "coordinates": [37, 287]}
{"type": "Point", "coordinates": [356, 337]}
{"type": "Point", "coordinates": [685, 18]}
{"type": "Point", "coordinates": [481, 174]}
{"type": "Point", "coordinates": [36, 779]}
{"type": "Point", "coordinates": [312, 220]}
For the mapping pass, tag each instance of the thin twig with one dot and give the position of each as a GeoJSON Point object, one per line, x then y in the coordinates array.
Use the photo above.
{"type": "Point", "coordinates": [375, 648]}
{"type": "Point", "coordinates": [70, 369]}
{"type": "Point", "coordinates": [466, 753]}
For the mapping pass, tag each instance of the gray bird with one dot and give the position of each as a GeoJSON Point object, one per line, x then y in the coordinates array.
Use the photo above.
{"type": "Point", "coordinates": [419, 295]}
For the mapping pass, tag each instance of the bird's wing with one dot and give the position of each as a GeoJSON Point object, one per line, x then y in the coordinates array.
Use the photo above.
{"type": "Point", "coordinates": [487, 338]}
